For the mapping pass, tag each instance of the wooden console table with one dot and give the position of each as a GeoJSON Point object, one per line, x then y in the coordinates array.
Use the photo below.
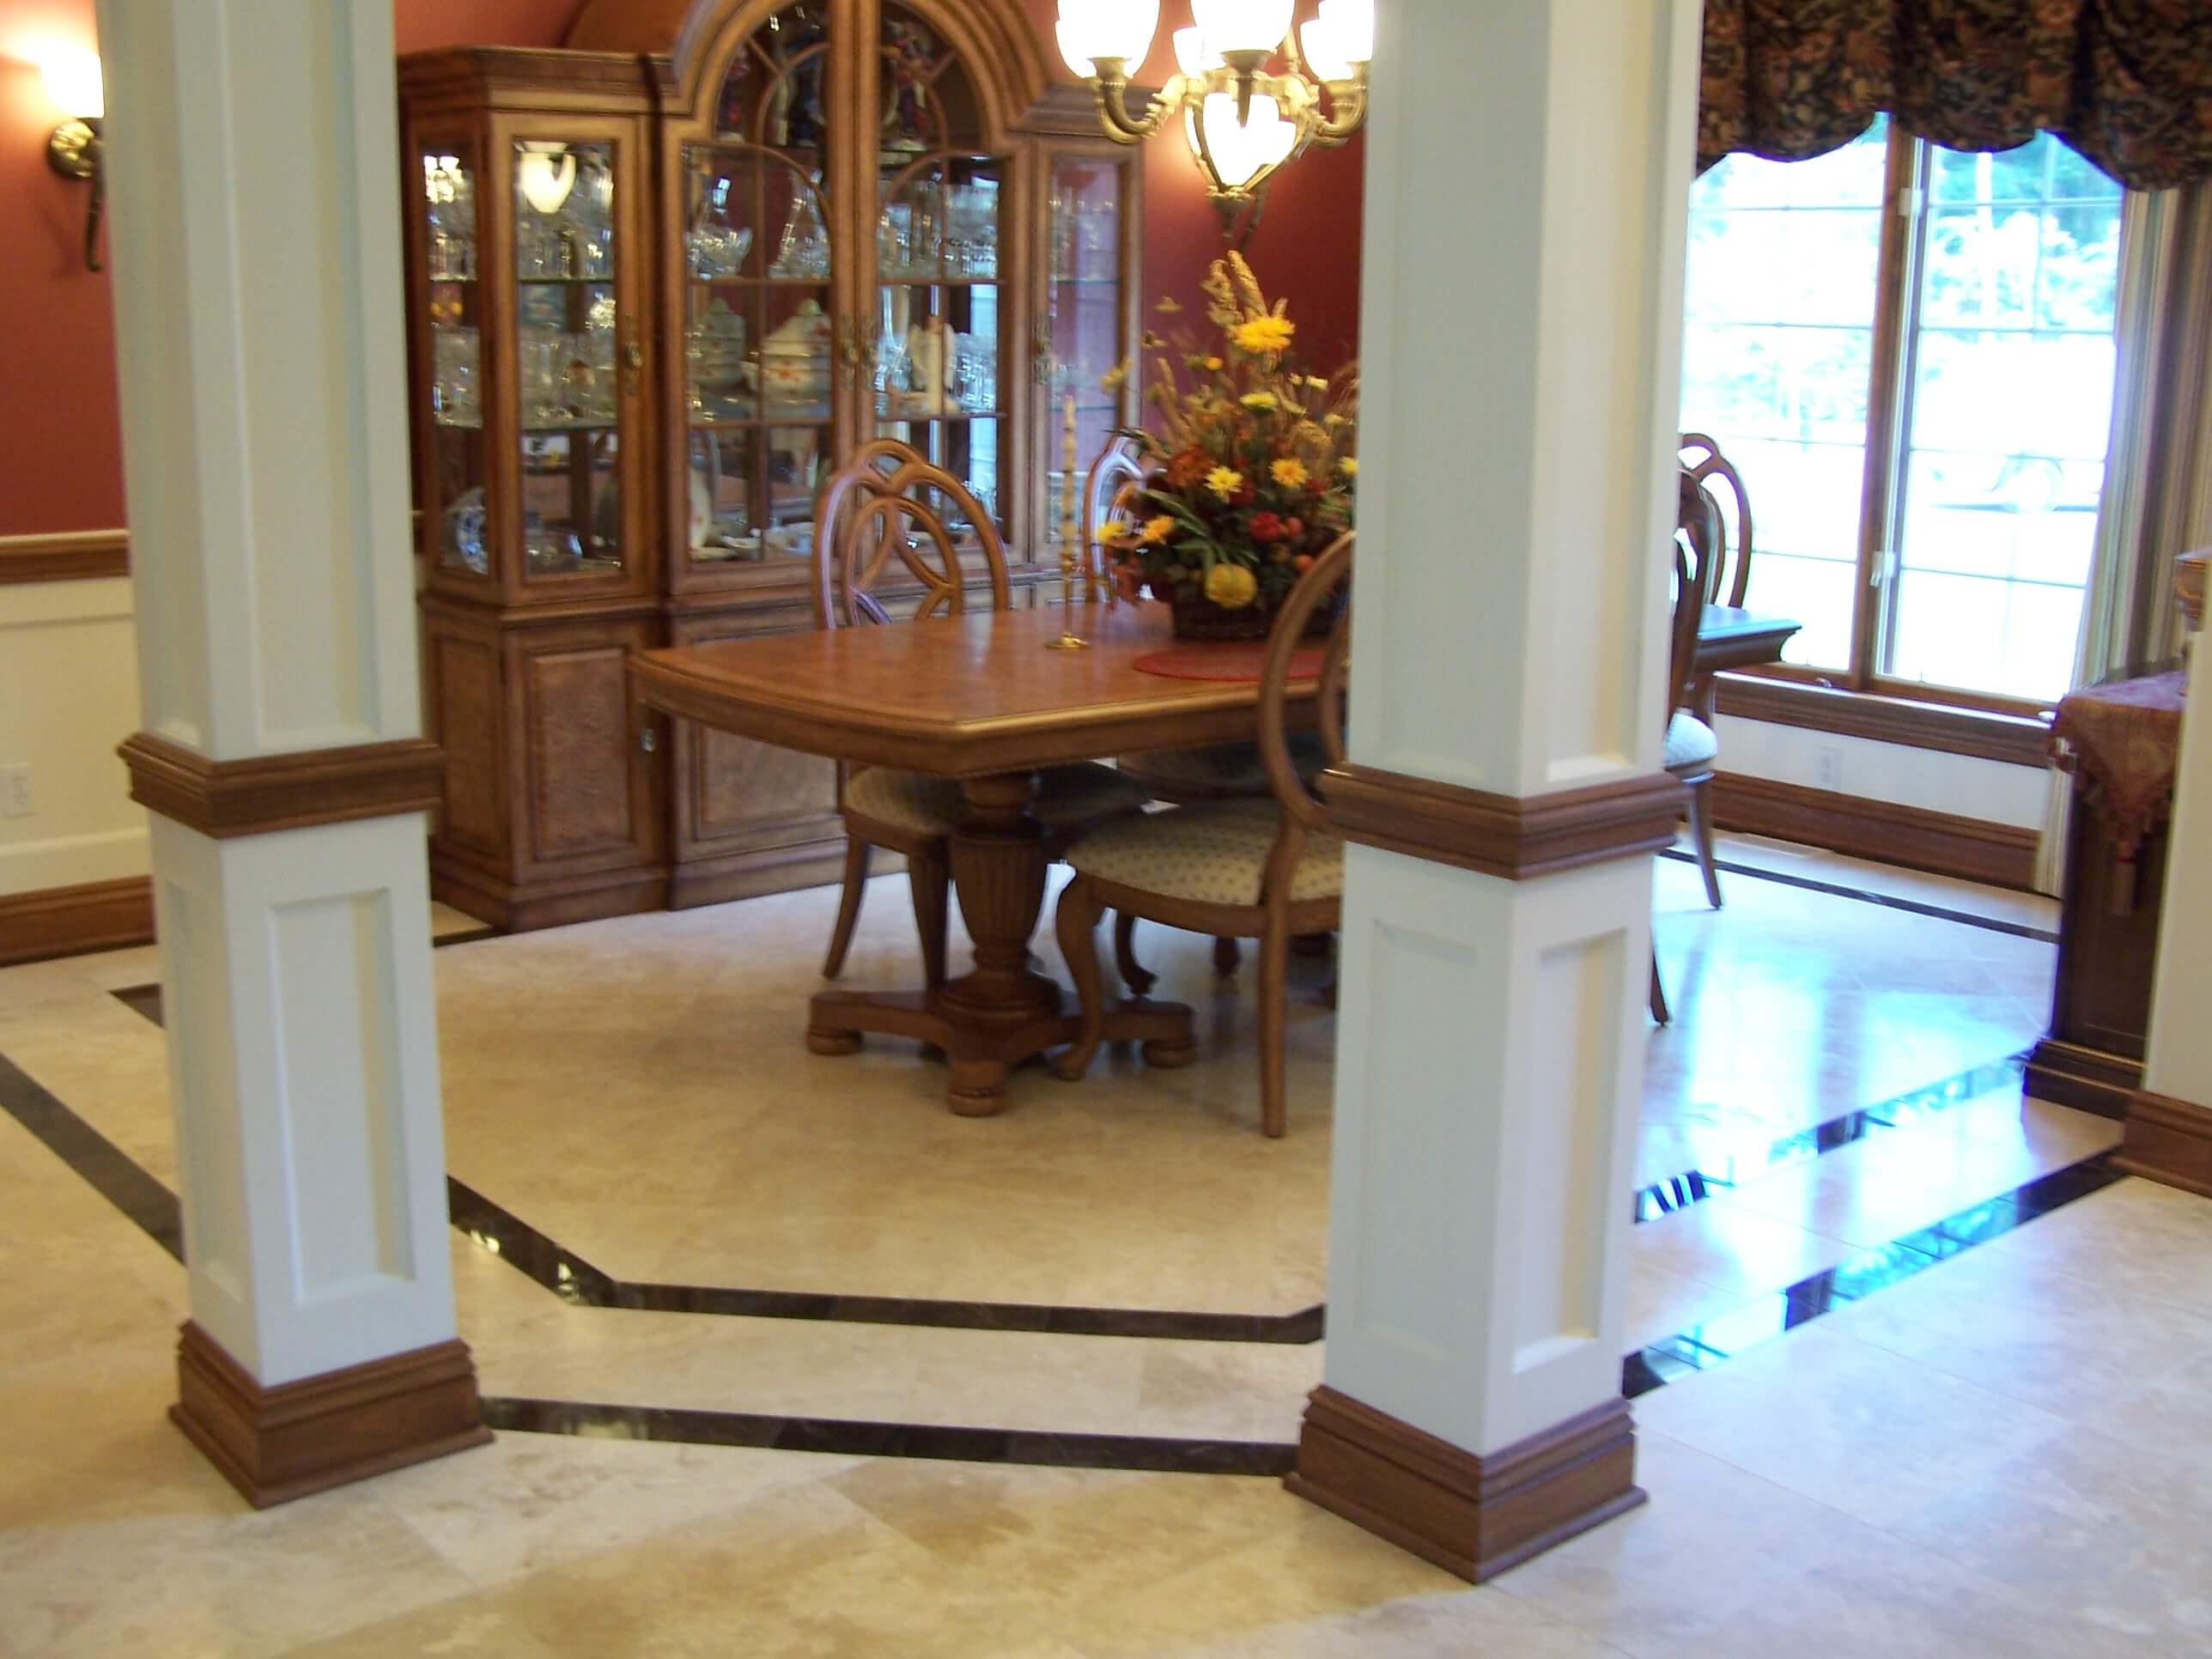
{"type": "Point", "coordinates": [2121, 742]}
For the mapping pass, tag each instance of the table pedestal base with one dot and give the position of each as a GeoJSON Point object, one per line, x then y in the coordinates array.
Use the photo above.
{"type": "Point", "coordinates": [983, 1052]}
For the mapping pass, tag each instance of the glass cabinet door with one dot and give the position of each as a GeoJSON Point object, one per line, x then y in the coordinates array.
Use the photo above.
{"type": "Point", "coordinates": [758, 312]}
{"type": "Point", "coordinates": [567, 364]}
{"type": "Point", "coordinates": [1082, 332]}
{"type": "Point", "coordinates": [452, 468]}
{"type": "Point", "coordinates": [942, 313]}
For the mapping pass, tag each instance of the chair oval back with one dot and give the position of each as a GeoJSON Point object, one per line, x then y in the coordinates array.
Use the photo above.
{"type": "Point", "coordinates": [1115, 470]}
{"type": "Point", "coordinates": [1697, 536]}
{"type": "Point", "coordinates": [1728, 574]}
{"type": "Point", "coordinates": [889, 507]}
{"type": "Point", "coordinates": [1331, 574]}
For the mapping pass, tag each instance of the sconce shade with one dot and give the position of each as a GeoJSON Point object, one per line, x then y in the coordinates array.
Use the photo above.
{"type": "Point", "coordinates": [1241, 25]}
{"type": "Point", "coordinates": [73, 82]}
{"type": "Point", "coordinates": [1340, 39]}
{"type": "Point", "coordinates": [546, 177]}
{"type": "Point", "coordinates": [1090, 30]}
{"type": "Point", "coordinates": [1243, 151]}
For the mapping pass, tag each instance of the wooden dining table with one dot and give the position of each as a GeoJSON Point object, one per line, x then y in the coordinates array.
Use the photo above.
{"type": "Point", "coordinates": [981, 699]}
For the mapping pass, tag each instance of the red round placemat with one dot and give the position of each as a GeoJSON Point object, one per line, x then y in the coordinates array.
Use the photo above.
{"type": "Point", "coordinates": [1234, 659]}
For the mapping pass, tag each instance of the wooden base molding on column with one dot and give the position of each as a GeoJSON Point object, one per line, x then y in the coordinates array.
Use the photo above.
{"type": "Point", "coordinates": [2168, 1141]}
{"type": "Point", "coordinates": [2088, 1079]}
{"type": "Point", "coordinates": [1472, 1515]}
{"type": "Point", "coordinates": [275, 1445]}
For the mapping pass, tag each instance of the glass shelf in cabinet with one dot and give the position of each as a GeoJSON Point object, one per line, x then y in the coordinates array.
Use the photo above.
{"type": "Point", "coordinates": [910, 278]}
{"type": "Point", "coordinates": [580, 424]}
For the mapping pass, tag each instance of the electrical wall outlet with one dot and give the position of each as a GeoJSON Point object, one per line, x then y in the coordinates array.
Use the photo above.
{"type": "Point", "coordinates": [15, 790]}
{"type": "Point", "coordinates": [1828, 768]}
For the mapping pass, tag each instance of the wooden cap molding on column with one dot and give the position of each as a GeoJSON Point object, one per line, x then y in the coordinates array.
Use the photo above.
{"type": "Point", "coordinates": [1508, 835]}
{"type": "Point", "coordinates": [268, 792]}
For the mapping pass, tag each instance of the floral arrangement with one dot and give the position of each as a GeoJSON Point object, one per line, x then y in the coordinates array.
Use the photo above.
{"type": "Point", "coordinates": [1251, 467]}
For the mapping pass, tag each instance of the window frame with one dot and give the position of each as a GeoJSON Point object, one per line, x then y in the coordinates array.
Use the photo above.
{"type": "Point", "coordinates": [1953, 719]}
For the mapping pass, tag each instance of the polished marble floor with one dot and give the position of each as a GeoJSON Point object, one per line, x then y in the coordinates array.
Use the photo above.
{"type": "Point", "coordinates": [1998, 1453]}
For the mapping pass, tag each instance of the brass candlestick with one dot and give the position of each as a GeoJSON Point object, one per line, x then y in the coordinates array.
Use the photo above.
{"type": "Point", "coordinates": [1068, 531]}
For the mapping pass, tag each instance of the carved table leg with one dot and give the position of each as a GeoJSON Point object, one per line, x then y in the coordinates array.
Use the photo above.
{"type": "Point", "coordinates": [1002, 1011]}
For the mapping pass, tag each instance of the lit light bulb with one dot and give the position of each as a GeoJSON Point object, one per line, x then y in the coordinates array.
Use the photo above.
{"type": "Point", "coordinates": [1352, 22]}
{"type": "Point", "coordinates": [1241, 25]}
{"type": "Point", "coordinates": [546, 176]}
{"type": "Point", "coordinates": [1191, 55]}
{"type": "Point", "coordinates": [73, 82]}
{"type": "Point", "coordinates": [1090, 30]}
{"type": "Point", "coordinates": [1243, 151]}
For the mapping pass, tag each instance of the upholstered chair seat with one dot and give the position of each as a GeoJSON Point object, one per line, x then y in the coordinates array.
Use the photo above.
{"type": "Point", "coordinates": [1690, 743]}
{"type": "Point", "coordinates": [1215, 853]}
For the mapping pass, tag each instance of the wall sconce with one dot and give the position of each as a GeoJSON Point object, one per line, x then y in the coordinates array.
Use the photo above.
{"type": "Point", "coordinates": [74, 150]}
{"type": "Point", "coordinates": [546, 174]}
{"type": "Point", "coordinates": [1241, 122]}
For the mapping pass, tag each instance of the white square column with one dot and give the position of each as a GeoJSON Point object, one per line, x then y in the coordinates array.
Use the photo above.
{"type": "Point", "coordinates": [2169, 1129]}
{"type": "Point", "coordinates": [1528, 167]}
{"type": "Point", "coordinates": [253, 155]}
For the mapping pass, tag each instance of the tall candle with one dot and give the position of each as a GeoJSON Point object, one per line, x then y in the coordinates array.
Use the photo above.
{"type": "Point", "coordinates": [1068, 524]}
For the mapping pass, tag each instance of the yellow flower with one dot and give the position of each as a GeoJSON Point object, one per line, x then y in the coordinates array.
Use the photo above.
{"type": "Point", "coordinates": [1260, 400]}
{"type": "Point", "coordinates": [1231, 586]}
{"type": "Point", "coordinates": [1349, 467]}
{"type": "Point", "coordinates": [1316, 383]}
{"type": "Point", "coordinates": [1114, 378]}
{"type": "Point", "coordinates": [1262, 334]}
{"type": "Point", "coordinates": [1290, 472]}
{"type": "Point", "coordinates": [1213, 363]}
{"type": "Point", "coordinates": [1225, 482]}
{"type": "Point", "coordinates": [1114, 529]}
{"type": "Point", "coordinates": [1167, 306]}
{"type": "Point", "coordinates": [1157, 531]}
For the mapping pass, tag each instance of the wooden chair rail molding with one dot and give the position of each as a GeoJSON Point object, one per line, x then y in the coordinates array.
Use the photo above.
{"type": "Point", "coordinates": [64, 556]}
{"type": "Point", "coordinates": [2016, 739]}
{"type": "Point", "coordinates": [283, 791]}
{"type": "Point", "coordinates": [1502, 834]}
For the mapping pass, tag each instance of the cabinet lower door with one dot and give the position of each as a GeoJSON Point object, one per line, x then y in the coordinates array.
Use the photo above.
{"type": "Point", "coordinates": [584, 773]}
{"type": "Point", "coordinates": [748, 817]}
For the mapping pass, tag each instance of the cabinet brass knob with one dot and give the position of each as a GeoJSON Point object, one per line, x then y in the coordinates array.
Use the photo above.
{"type": "Point", "coordinates": [633, 355]}
{"type": "Point", "coordinates": [649, 740]}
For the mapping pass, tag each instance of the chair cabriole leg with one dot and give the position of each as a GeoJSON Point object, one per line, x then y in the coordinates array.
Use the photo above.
{"type": "Point", "coordinates": [1075, 923]}
{"type": "Point", "coordinates": [848, 905]}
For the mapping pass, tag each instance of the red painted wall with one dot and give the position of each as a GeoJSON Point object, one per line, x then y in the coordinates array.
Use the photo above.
{"type": "Point", "coordinates": [61, 464]}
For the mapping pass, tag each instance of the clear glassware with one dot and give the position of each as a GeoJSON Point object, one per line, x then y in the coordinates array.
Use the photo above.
{"type": "Point", "coordinates": [455, 391]}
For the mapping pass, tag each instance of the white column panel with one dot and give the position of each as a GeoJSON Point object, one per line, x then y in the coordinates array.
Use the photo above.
{"type": "Point", "coordinates": [304, 1059]}
{"type": "Point", "coordinates": [1489, 1065]}
{"type": "Point", "coordinates": [1528, 161]}
{"type": "Point", "coordinates": [253, 162]}
{"type": "Point", "coordinates": [2177, 1062]}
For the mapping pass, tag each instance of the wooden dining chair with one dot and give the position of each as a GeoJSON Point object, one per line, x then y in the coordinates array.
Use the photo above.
{"type": "Point", "coordinates": [1690, 747]}
{"type": "Point", "coordinates": [1211, 771]}
{"type": "Point", "coordinates": [888, 513]}
{"type": "Point", "coordinates": [1237, 869]}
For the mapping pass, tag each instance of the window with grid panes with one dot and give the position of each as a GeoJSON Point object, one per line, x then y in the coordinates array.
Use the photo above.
{"type": "Point", "coordinates": [1908, 353]}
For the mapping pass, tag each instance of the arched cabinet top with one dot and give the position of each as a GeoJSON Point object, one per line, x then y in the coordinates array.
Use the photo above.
{"type": "Point", "coordinates": [698, 41]}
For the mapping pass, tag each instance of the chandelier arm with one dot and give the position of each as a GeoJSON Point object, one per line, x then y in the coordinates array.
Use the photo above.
{"type": "Point", "coordinates": [1347, 113]}
{"type": "Point", "coordinates": [1110, 90]}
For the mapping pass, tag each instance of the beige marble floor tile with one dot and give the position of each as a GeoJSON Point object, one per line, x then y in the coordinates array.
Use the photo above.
{"type": "Point", "coordinates": [2136, 1236]}
{"type": "Point", "coordinates": [212, 1579]}
{"type": "Point", "coordinates": [1733, 1250]}
{"type": "Point", "coordinates": [1662, 1304]}
{"type": "Point", "coordinates": [1847, 1423]}
{"type": "Point", "coordinates": [463, 1628]}
{"type": "Point", "coordinates": [2020, 1327]}
{"type": "Point", "coordinates": [801, 1571]}
{"type": "Point", "coordinates": [1713, 1541]}
{"type": "Point", "coordinates": [528, 1503]}
{"type": "Point", "coordinates": [2110, 1533]}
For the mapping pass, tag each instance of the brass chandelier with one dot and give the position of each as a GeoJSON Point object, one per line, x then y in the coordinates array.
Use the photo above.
{"type": "Point", "coordinates": [1242, 121]}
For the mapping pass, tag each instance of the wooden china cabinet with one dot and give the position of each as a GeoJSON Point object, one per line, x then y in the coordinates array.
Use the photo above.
{"type": "Point", "coordinates": [661, 285]}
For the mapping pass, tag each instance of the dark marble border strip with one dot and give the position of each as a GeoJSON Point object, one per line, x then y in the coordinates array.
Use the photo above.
{"type": "Point", "coordinates": [1865, 896]}
{"type": "Point", "coordinates": [1858, 1277]}
{"type": "Point", "coordinates": [1754, 1156]}
{"type": "Point", "coordinates": [107, 1167]}
{"type": "Point", "coordinates": [1047, 1449]}
{"type": "Point", "coordinates": [571, 1278]}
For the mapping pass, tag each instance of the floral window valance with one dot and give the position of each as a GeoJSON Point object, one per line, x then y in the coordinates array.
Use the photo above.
{"type": "Point", "coordinates": [2126, 83]}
